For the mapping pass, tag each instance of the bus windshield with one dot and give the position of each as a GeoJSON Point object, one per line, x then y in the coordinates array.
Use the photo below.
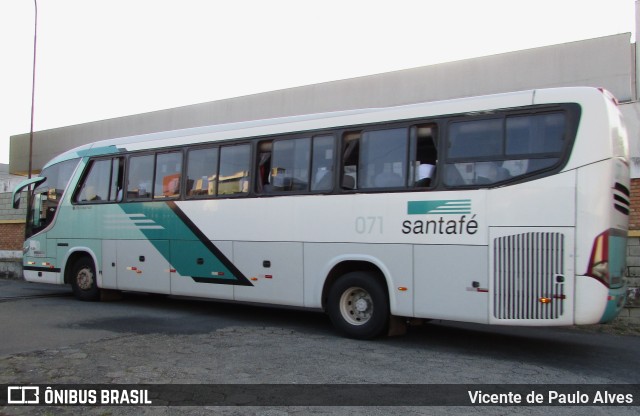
{"type": "Point", "coordinates": [47, 195]}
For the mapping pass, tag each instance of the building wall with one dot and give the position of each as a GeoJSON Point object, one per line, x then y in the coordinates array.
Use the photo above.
{"type": "Point", "coordinates": [631, 114]}
{"type": "Point", "coordinates": [601, 62]}
{"type": "Point", "coordinates": [11, 220]}
{"type": "Point", "coordinates": [12, 223]}
{"type": "Point", "coordinates": [632, 310]}
{"type": "Point", "coordinates": [11, 235]}
{"type": "Point", "coordinates": [634, 215]}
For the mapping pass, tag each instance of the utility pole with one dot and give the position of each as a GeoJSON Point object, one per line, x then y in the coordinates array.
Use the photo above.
{"type": "Point", "coordinates": [33, 84]}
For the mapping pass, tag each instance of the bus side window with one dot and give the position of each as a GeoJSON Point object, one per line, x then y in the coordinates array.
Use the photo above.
{"type": "Point", "coordinates": [424, 155]}
{"type": "Point", "coordinates": [350, 160]}
{"type": "Point", "coordinates": [322, 164]}
{"type": "Point", "coordinates": [202, 171]}
{"type": "Point", "coordinates": [472, 147]}
{"type": "Point", "coordinates": [290, 165]}
{"type": "Point", "coordinates": [485, 152]}
{"type": "Point", "coordinates": [116, 191]}
{"type": "Point", "coordinates": [140, 177]}
{"type": "Point", "coordinates": [383, 158]}
{"type": "Point", "coordinates": [235, 163]}
{"type": "Point", "coordinates": [102, 182]}
{"type": "Point", "coordinates": [95, 186]}
{"type": "Point", "coordinates": [264, 167]}
{"type": "Point", "coordinates": [168, 174]}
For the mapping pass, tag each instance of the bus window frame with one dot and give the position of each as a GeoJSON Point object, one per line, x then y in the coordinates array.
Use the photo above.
{"type": "Point", "coordinates": [271, 167]}
{"type": "Point", "coordinates": [312, 136]}
{"type": "Point", "coordinates": [414, 139]}
{"type": "Point", "coordinates": [187, 151]}
{"type": "Point", "coordinates": [572, 113]}
{"type": "Point", "coordinates": [179, 194]}
{"type": "Point", "coordinates": [334, 163]}
{"type": "Point", "coordinates": [250, 176]}
{"type": "Point", "coordinates": [407, 153]}
{"type": "Point", "coordinates": [340, 134]}
{"type": "Point", "coordinates": [87, 169]}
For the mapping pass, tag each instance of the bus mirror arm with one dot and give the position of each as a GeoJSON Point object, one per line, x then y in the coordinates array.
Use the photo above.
{"type": "Point", "coordinates": [16, 192]}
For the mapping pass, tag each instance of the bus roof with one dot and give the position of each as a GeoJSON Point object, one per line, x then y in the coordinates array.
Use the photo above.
{"type": "Point", "coordinates": [298, 123]}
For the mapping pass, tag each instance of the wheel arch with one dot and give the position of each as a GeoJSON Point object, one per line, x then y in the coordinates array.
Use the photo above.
{"type": "Point", "coordinates": [73, 255]}
{"type": "Point", "coordinates": [344, 266]}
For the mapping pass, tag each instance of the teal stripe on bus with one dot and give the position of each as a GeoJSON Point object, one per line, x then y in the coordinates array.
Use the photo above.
{"type": "Point", "coordinates": [167, 222]}
{"type": "Point", "coordinates": [445, 206]}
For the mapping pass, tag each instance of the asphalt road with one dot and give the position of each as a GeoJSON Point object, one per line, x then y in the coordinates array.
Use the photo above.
{"type": "Point", "coordinates": [49, 337]}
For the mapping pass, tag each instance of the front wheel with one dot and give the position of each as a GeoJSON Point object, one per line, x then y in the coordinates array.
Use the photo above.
{"type": "Point", "coordinates": [83, 280]}
{"type": "Point", "coordinates": [358, 306]}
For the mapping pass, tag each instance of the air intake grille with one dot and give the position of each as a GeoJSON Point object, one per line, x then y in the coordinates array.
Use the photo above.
{"type": "Point", "coordinates": [529, 267]}
{"type": "Point", "coordinates": [621, 198]}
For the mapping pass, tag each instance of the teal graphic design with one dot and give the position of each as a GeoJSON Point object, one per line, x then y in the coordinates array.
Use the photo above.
{"type": "Point", "coordinates": [440, 207]}
{"type": "Point", "coordinates": [191, 253]}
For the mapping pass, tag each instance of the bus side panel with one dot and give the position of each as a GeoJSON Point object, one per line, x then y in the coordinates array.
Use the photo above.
{"type": "Point", "coordinates": [595, 202]}
{"type": "Point", "coordinates": [109, 276]}
{"type": "Point", "coordinates": [451, 282]}
{"type": "Point", "coordinates": [545, 202]}
{"type": "Point", "coordinates": [603, 207]}
{"type": "Point", "coordinates": [39, 265]}
{"type": "Point", "coordinates": [186, 285]}
{"type": "Point", "coordinates": [274, 268]}
{"type": "Point", "coordinates": [142, 267]}
{"type": "Point", "coordinates": [393, 260]}
{"type": "Point", "coordinates": [591, 302]}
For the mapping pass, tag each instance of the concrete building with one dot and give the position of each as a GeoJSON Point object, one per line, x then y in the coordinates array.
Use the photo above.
{"type": "Point", "coordinates": [7, 180]}
{"type": "Point", "coordinates": [608, 62]}
{"type": "Point", "coordinates": [11, 225]}
{"type": "Point", "coordinates": [11, 220]}
{"type": "Point", "coordinates": [611, 62]}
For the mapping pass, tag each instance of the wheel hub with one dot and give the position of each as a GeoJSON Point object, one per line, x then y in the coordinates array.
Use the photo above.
{"type": "Point", "coordinates": [356, 306]}
{"type": "Point", "coordinates": [85, 279]}
{"type": "Point", "coordinates": [361, 305]}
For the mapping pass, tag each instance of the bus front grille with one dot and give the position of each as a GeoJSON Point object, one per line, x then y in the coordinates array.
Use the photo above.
{"type": "Point", "coordinates": [529, 276]}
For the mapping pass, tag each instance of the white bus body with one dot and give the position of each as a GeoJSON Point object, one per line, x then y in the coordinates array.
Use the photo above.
{"type": "Point", "coordinates": [522, 219]}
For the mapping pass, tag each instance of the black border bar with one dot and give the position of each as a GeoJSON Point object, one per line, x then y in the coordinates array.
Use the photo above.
{"type": "Point", "coordinates": [322, 395]}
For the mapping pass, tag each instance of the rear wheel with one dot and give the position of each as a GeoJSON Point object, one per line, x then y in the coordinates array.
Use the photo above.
{"type": "Point", "coordinates": [83, 280]}
{"type": "Point", "coordinates": [358, 306]}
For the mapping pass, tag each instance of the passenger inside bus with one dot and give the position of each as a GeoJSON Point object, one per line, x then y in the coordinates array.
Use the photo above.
{"type": "Point", "coordinates": [424, 174]}
{"type": "Point", "coordinates": [426, 156]}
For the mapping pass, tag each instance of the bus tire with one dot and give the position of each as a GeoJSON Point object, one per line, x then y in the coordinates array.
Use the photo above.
{"type": "Point", "coordinates": [358, 306]}
{"type": "Point", "coordinates": [83, 280]}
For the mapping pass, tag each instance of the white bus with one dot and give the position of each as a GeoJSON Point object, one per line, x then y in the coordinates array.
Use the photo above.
{"type": "Point", "coordinates": [508, 209]}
